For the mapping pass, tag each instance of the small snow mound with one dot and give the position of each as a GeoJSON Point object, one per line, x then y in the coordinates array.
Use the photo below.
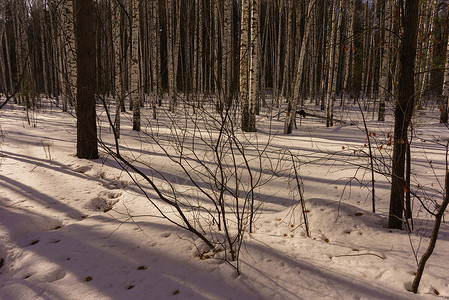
{"type": "Point", "coordinates": [41, 271]}
{"type": "Point", "coordinates": [34, 222]}
{"type": "Point", "coordinates": [82, 169]}
{"type": "Point", "coordinates": [55, 275]}
{"type": "Point", "coordinates": [397, 277]}
{"type": "Point", "coordinates": [106, 200]}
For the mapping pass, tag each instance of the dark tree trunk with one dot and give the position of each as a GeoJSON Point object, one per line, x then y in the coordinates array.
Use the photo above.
{"type": "Point", "coordinates": [85, 56]}
{"type": "Point", "coordinates": [403, 111]}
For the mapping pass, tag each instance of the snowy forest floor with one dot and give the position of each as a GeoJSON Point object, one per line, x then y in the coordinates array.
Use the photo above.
{"type": "Point", "coordinates": [56, 241]}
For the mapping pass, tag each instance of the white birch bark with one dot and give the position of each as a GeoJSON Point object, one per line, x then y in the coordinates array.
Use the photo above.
{"type": "Point", "coordinates": [170, 42]}
{"type": "Point", "coordinates": [445, 93]}
{"type": "Point", "coordinates": [371, 60]}
{"type": "Point", "coordinates": [313, 59]}
{"type": "Point", "coordinates": [253, 87]}
{"type": "Point", "coordinates": [331, 59]}
{"type": "Point", "coordinates": [428, 48]}
{"type": "Point", "coordinates": [173, 24]}
{"type": "Point", "coordinates": [277, 57]}
{"type": "Point", "coordinates": [116, 12]}
{"type": "Point", "coordinates": [288, 51]}
{"type": "Point", "coordinates": [43, 48]}
{"type": "Point", "coordinates": [20, 56]}
{"type": "Point", "coordinates": [219, 100]}
{"type": "Point", "coordinates": [8, 62]}
{"type": "Point", "coordinates": [385, 61]}
{"type": "Point", "coordinates": [154, 55]}
{"type": "Point", "coordinates": [325, 54]}
{"type": "Point", "coordinates": [367, 48]}
{"type": "Point", "coordinates": [244, 63]}
{"type": "Point", "coordinates": [227, 51]}
{"type": "Point", "coordinates": [135, 76]}
{"type": "Point", "coordinates": [2, 60]}
{"type": "Point", "coordinates": [199, 84]}
{"type": "Point", "coordinates": [337, 52]}
{"type": "Point", "coordinates": [349, 49]}
{"type": "Point", "coordinates": [70, 50]}
{"type": "Point", "coordinates": [291, 109]}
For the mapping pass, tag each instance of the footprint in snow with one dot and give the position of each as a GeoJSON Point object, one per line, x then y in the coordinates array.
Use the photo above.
{"type": "Point", "coordinates": [115, 184]}
{"type": "Point", "coordinates": [106, 200]}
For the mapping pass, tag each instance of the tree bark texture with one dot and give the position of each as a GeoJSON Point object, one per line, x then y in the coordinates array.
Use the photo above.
{"type": "Point", "coordinates": [86, 114]}
{"type": "Point", "coordinates": [135, 70]}
{"type": "Point", "coordinates": [403, 111]}
{"type": "Point", "coordinates": [291, 108]}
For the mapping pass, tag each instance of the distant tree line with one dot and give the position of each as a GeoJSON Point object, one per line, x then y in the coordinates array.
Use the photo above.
{"type": "Point", "coordinates": [196, 48]}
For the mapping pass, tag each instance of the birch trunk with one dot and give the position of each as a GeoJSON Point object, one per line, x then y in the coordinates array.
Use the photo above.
{"type": "Point", "coordinates": [173, 25]}
{"type": "Point", "coordinates": [253, 87]}
{"type": "Point", "coordinates": [135, 76]}
{"type": "Point", "coordinates": [61, 66]}
{"type": "Point", "coordinates": [227, 51]}
{"type": "Point", "coordinates": [278, 75]}
{"type": "Point", "coordinates": [349, 52]}
{"type": "Point", "coordinates": [154, 55]}
{"type": "Point", "coordinates": [116, 10]}
{"type": "Point", "coordinates": [325, 54]}
{"type": "Point", "coordinates": [385, 61]}
{"type": "Point", "coordinates": [244, 64]}
{"type": "Point", "coordinates": [43, 48]}
{"type": "Point", "coordinates": [8, 62]}
{"type": "Point", "coordinates": [289, 51]}
{"type": "Point", "coordinates": [445, 93]}
{"type": "Point", "coordinates": [291, 108]}
{"type": "Point", "coordinates": [219, 101]}
{"type": "Point", "coordinates": [170, 45]}
{"type": "Point", "coordinates": [2, 60]}
{"type": "Point", "coordinates": [428, 49]}
{"type": "Point", "coordinates": [330, 87]}
{"type": "Point", "coordinates": [70, 50]}
{"type": "Point", "coordinates": [199, 84]}
{"type": "Point", "coordinates": [367, 49]}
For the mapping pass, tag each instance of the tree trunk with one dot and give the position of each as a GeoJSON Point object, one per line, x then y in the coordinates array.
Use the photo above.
{"type": "Point", "coordinates": [69, 44]}
{"type": "Point", "coordinates": [332, 41]}
{"type": "Point", "coordinates": [244, 64]}
{"type": "Point", "coordinates": [219, 100]}
{"type": "Point", "coordinates": [116, 10]}
{"type": "Point", "coordinates": [43, 51]}
{"type": "Point", "coordinates": [403, 111]}
{"type": "Point", "coordinates": [426, 48]}
{"type": "Point", "coordinates": [86, 115]}
{"type": "Point", "coordinates": [135, 76]}
{"type": "Point", "coordinates": [154, 55]}
{"type": "Point", "coordinates": [277, 81]}
{"type": "Point", "coordinates": [385, 61]}
{"type": "Point", "coordinates": [291, 108]}
{"type": "Point", "coordinates": [433, 238]}
{"type": "Point", "coordinates": [349, 52]}
{"type": "Point", "coordinates": [2, 61]}
{"type": "Point", "coordinates": [227, 52]}
{"type": "Point", "coordinates": [445, 93]}
{"type": "Point", "coordinates": [254, 66]}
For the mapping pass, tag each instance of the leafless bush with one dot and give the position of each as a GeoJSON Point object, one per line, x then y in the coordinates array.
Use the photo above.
{"type": "Point", "coordinates": [216, 173]}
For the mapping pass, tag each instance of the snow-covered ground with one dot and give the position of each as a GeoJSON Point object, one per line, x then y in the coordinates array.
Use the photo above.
{"type": "Point", "coordinates": [57, 241]}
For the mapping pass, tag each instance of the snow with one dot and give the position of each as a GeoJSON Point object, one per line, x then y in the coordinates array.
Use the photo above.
{"type": "Point", "coordinates": [72, 228]}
